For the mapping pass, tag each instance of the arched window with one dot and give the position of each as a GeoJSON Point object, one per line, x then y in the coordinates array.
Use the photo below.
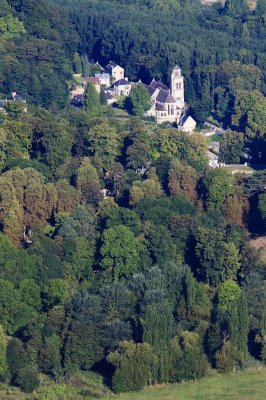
{"type": "Point", "coordinates": [172, 110]}
{"type": "Point", "coordinates": [168, 109]}
{"type": "Point", "coordinates": [177, 86]}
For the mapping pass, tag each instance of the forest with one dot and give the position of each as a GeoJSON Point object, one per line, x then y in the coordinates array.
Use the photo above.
{"type": "Point", "coordinates": [143, 277]}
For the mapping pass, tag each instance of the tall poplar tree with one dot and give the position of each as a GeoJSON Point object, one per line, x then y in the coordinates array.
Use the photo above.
{"type": "Point", "coordinates": [92, 101]}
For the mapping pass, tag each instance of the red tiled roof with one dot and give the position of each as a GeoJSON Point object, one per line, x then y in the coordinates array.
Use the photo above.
{"type": "Point", "coordinates": [92, 79]}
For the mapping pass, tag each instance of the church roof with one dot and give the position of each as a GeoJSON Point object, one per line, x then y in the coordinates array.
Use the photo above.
{"type": "Point", "coordinates": [159, 107]}
{"type": "Point", "coordinates": [157, 85]}
{"type": "Point", "coordinates": [150, 89]}
{"type": "Point", "coordinates": [164, 96]}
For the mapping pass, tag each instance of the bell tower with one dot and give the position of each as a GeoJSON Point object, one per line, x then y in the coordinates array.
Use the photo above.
{"type": "Point", "coordinates": [177, 86]}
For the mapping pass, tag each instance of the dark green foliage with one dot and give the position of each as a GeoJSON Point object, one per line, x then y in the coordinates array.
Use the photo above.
{"type": "Point", "coordinates": [228, 358]}
{"type": "Point", "coordinates": [103, 97]}
{"type": "Point", "coordinates": [139, 101]}
{"type": "Point", "coordinates": [120, 250]}
{"type": "Point", "coordinates": [235, 8]}
{"type": "Point", "coordinates": [92, 101]}
{"type": "Point", "coordinates": [157, 329]}
{"type": "Point", "coordinates": [17, 358]}
{"type": "Point", "coordinates": [133, 364]}
{"type": "Point", "coordinates": [192, 362]}
{"type": "Point", "coordinates": [124, 216]}
{"type": "Point", "coordinates": [77, 64]}
{"type": "Point", "coordinates": [27, 379]}
{"type": "Point", "coordinates": [231, 147]}
{"type": "Point", "coordinates": [219, 185]}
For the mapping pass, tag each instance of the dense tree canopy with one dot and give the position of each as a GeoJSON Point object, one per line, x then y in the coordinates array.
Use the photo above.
{"type": "Point", "coordinates": [121, 250]}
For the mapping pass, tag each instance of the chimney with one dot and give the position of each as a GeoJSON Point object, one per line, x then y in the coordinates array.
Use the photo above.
{"type": "Point", "coordinates": [14, 94]}
{"type": "Point", "coordinates": [126, 79]}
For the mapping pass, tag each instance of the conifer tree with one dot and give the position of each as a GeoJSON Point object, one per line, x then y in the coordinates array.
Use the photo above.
{"type": "Point", "coordinates": [77, 64]}
{"type": "Point", "coordinates": [103, 97]}
{"type": "Point", "coordinates": [261, 7]}
{"type": "Point", "coordinates": [92, 101]}
{"type": "Point", "coordinates": [235, 8]}
{"type": "Point", "coordinates": [3, 353]}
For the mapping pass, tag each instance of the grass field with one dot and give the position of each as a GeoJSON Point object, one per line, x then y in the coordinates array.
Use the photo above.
{"type": "Point", "coordinates": [249, 385]}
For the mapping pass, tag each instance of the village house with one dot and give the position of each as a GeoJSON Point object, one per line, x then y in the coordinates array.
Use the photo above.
{"type": "Point", "coordinates": [167, 104]}
{"type": "Point", "coordinates": [104, 79]}
{"type": "Point", "coordinates": [122, 87]}
{"type": "Point", "coordinates": [187, 124]}
{"type": "Point", "coordinates": [115, 71]}
{"type": "Point", "coordinates": [110, 97]}
{"type": "Point", "coordinates": [95, 81]}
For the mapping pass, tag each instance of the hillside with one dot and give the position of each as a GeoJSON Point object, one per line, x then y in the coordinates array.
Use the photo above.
{"type": "Point", "coordinates": [125, 254]}
{"type": "Point", "coordinates": [251, 3]}
{"type": "Point", "coordinates": [247, 385]}
{"type": "Point", "coordinates": [250, 385]}
{"type": "Point", "coordinates": [37, 44]}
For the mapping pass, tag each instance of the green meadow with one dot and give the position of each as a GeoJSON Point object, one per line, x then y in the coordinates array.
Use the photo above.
{"type": "Point", "coordinates": [245, 385]}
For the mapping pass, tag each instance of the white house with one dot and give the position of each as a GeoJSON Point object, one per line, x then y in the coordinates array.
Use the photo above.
{"type": "Point", "coordinates": [95, 81]}
{"type": "Point", "coordinates": [122, 87]}
{"type": "Point", "coordinates": [115, 71]}
{"type": "Point", "coordinates": [187, 124]}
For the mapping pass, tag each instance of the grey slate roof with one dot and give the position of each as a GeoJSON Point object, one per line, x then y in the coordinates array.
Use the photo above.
{"type": "Point", "coordinates": [121, 82]}
{"type": "Point", "coordinates": [159, 107]}
{"type": "Point", "coordinates": [103, 76]}
{"type": "Point", "coordinates": [155, 85]}
{"type": "Point", "coordinates": [150, 90]}
{"type": "Point", "coordinates": [110, 66]}
{"type": "Point", "coordinates": [164, 96]}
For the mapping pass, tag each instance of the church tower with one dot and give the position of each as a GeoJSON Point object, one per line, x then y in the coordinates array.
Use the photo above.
{"type": "Point", "coordinates": [177, 86]}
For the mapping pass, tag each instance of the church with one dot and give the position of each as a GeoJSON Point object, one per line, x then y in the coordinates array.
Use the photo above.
{"type": "Point", "coordinates": [167, 105]}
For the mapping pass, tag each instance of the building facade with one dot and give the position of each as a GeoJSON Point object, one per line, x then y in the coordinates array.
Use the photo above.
{"type": "Point", "coordinates": [115, 71]}
{"type": "Point", "coordinates": [167, 105]}
{"type": "Point", "coordinates": [104, 79]}
{"type": "Point", "coordinates": [122, 87]}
